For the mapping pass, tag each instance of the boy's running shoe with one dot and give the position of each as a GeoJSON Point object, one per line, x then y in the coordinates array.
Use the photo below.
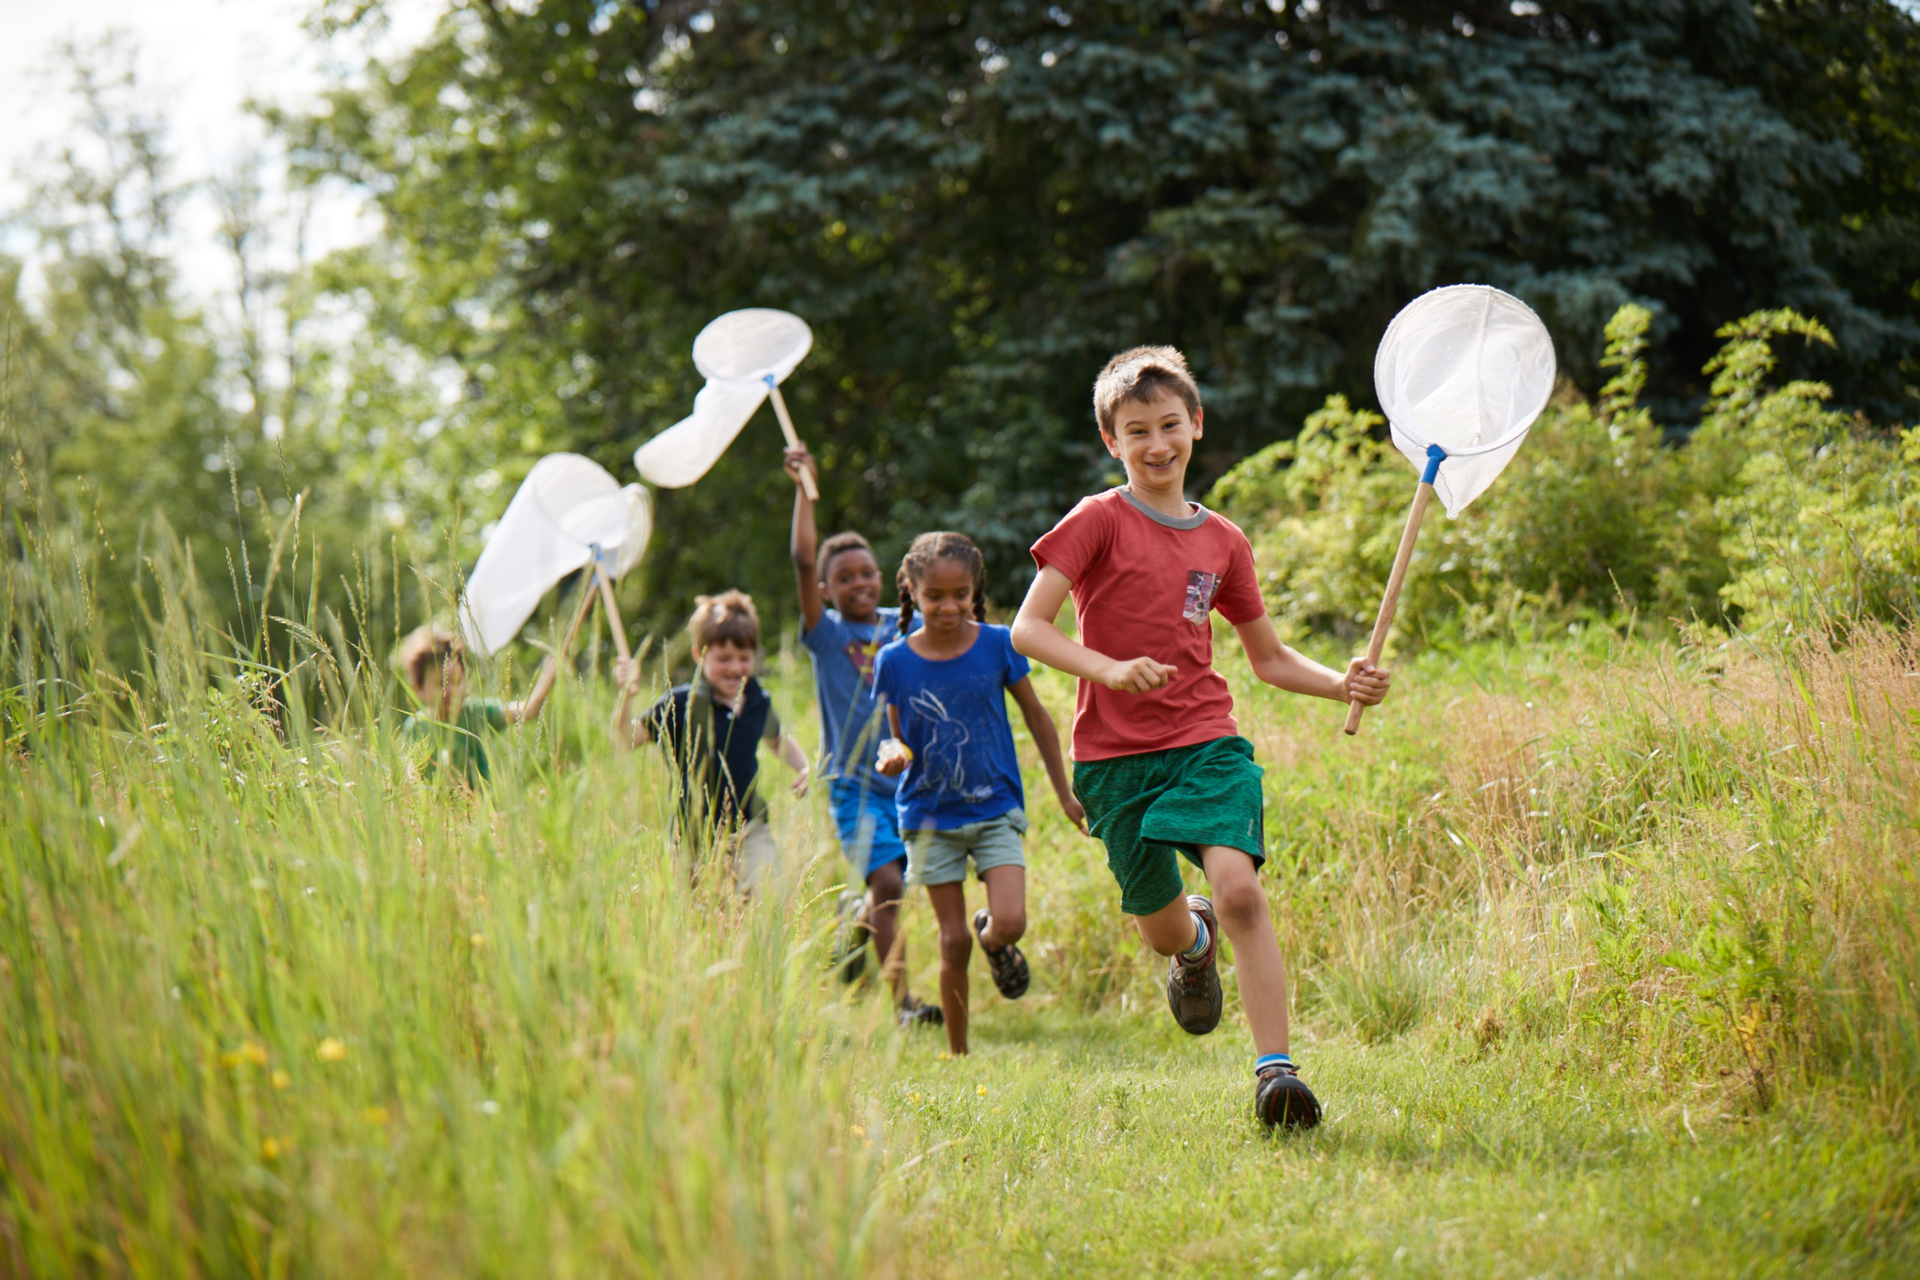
{"type": "Point", "coordinates": [1193, 986]}
{"type": "Point", "coordinates": [850, 937]}
{"type": "Point", "coordinates": [915, 1012]}
{"type": "Point", "coordinates": [1009, 965]}
{"type": "Point", "coordinates": [1282, 1099]}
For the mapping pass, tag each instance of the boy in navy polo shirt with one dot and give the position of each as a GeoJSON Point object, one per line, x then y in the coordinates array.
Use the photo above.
{"type": "Point", "coordinates": [712, 728]}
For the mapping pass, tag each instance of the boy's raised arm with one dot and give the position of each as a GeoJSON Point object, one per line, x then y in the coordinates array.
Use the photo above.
{"type": "Point", "coordinates": [1036, 635]}
{"type": "Point", "coordinates": [806, 540]}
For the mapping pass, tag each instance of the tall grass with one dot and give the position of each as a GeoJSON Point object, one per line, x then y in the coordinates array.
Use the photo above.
{"type": "Point", "coordinates": [1703, 858]}
{"type": "Point", "coordinates": [272, 1005]}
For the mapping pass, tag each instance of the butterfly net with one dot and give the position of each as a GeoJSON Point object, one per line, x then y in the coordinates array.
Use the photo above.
{"type": "Point", "coordinates": [1467, 368]}
{"type": "Point", "coordinates": [742, 355]}
{"type": "Point", "coordinates": [565, 507]}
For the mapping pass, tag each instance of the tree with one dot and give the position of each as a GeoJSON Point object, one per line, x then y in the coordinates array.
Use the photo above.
{"type": "Point", "coordinates": [974, 204]}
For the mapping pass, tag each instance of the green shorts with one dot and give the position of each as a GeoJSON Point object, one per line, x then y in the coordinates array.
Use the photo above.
{"type": "Point", "coordinates": [1145, 808]}
{"type": "Point", "coordinates": [940, 857]}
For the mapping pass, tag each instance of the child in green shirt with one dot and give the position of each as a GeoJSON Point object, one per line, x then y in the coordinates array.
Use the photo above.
{"type": "Point", "coordinates": [449, 725]}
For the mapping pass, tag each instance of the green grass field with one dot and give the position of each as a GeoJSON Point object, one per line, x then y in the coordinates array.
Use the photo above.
{"type": "Point", "coordinates": [1605, 959]}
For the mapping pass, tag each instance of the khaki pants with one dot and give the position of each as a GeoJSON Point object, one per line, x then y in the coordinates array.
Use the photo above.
{"type": "Point", "coordinates": [750, 854]}
{"type": "Point", "coordinates": [754, 855]}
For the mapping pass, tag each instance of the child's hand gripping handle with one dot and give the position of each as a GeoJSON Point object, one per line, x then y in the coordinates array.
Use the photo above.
{"type": "Point", "coordinates": [1383, 622]}
{"type": "Point", "coordinates": [793, 440]}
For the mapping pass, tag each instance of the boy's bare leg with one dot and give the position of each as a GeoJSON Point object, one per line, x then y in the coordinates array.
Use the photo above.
{"type": "Point", "coordinates": [1169, 930]}
{"type": "Point", "coordinates": [1006, 905]}
{"type": "Point", "coordinates": [884, 890]}
{"type": "Point", "coordinates": [956, 948]}
{"type": "Point", "coordinates": [1240, 904]}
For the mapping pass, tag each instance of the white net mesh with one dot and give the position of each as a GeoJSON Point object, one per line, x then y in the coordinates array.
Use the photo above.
{"type": "Point", "coordinates": [737, 353]}
{"type": "Point", "coordinates": [1467, 368]}
{"type": "Point", "coordinates": [565, 506]}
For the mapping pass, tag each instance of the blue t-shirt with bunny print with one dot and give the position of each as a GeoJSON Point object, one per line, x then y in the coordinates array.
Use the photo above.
{"type": "Point", "coordinates": [953, 716]}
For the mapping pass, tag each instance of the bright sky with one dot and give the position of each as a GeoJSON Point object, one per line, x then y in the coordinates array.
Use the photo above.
{"type": "Point", "coordinates": [200, 60]}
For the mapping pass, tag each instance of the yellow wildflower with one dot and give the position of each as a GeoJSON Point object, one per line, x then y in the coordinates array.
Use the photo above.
{"type": "Point", "coordinates": [281, 1079]}
{"type": "Point", "coordinates": [331, 1050]}
{"type": "Point", "coordinates": [270, 1149]}
{"type": "Point", "coordinates": [374, 1116]}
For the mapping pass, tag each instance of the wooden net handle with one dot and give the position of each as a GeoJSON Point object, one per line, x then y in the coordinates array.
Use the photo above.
{"type": "Point", "coordinates": [793, 440]}
{"type": "Point", "coordinates": [1383, 622]}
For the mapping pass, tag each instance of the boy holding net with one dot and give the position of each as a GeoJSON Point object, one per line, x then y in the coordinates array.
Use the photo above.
{"type": "Point", "coordinates": [1158, 760]}
{"type": "Point", "coordinates": [712, 728]}
{"type": "Point", "coordinates": [843, 625]}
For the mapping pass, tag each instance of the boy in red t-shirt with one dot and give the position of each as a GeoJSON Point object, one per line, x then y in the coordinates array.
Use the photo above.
{"type": "Point", "coordinates": [1157, 758]}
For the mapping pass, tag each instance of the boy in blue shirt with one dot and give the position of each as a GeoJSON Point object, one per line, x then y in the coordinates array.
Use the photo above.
{"type": "Point", "coordinates": [842, 640]}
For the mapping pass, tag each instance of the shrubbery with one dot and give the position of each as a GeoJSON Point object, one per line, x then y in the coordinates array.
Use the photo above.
{"type": "Point", "coordinates": [1774, 513]}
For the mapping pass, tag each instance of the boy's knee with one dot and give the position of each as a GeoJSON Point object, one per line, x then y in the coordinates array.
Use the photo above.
{"type": "Point", "coordinates": [956, 948]}
{"type": "Point", "coordinates": [1241, 904]}
{"type": "Point", "coordinates": [1010, 926]}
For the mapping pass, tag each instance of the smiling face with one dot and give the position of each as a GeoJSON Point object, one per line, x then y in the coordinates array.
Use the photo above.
{"type": "Point", "coordinates": [726, 667]}
{"type": "Point", "coordinates": [853, 584]}
{"type": "Point", "coordinates": [943, 596]}
{"type": "Point", "coordinates": [1154, 440]}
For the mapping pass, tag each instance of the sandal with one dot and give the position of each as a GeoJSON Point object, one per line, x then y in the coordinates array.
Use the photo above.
{"type": "Point", "coordinates": [1009, 964]}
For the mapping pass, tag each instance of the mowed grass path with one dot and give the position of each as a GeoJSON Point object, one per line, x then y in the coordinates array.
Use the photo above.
{"type": "Point", "coordinates": [1115, 1145]}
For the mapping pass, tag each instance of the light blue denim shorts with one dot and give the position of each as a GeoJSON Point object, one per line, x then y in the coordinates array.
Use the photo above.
{"type": "Point", "coordinates": [940, 857]}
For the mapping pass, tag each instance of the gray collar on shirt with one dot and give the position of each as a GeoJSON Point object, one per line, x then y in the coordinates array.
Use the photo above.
{"type": "Point", "coordinates": [1194, 521]}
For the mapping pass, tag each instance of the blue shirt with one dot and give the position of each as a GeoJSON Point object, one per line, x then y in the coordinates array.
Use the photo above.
{"type": "Point", "coordinates": [851, 725]}
{"type": "Point", "coordinates": [953, 715]}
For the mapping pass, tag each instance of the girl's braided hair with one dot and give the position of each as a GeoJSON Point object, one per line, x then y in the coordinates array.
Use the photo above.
{"type": "Point", "coordinates": [920, 557]}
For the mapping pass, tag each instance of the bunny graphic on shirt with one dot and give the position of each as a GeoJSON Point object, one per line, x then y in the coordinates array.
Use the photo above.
{"type": "Point", "coordinates": [944, 759]}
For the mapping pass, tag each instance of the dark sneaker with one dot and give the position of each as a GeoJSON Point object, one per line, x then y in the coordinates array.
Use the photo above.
{"type": "Point", "coordinates": [1282, 1100]}
{"type": "Point", "coordinates": [850, 937]}
{"type": "Point", "coordinates": [914, 1012]}
{"type": "Point", "coordinates": [1009, 966]}
{"type": "Point", "coordinates": [1193, 986]}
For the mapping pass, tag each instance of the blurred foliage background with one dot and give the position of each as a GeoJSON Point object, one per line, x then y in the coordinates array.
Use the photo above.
{"type": "Point", "coordinates": [973, 205]}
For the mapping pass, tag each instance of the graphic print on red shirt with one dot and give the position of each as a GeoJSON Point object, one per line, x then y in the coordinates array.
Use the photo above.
{"type": "Point", "coordinates": [1144, 585]}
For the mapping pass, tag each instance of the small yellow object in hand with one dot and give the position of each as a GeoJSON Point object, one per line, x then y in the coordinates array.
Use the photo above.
{"type": "Point", "coordinates": [901, 748]}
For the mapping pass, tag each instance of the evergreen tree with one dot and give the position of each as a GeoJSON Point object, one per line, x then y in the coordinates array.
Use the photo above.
{"type": "Point", "coordinates": [974, 204]}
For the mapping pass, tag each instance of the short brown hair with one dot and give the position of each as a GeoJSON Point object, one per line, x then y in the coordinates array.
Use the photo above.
{"type": "Point", "coordinates": [1140, 374]}
{"type": "Point", "coordinates": [428, 647]}
{"type": "Point", "coordinates": [728, 618]}
{"type": "Point", "coordinates": [839, 544]}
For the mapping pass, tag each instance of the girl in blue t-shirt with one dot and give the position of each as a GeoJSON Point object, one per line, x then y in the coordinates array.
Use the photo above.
{"type": "Point", "coordinates": [959, 796]}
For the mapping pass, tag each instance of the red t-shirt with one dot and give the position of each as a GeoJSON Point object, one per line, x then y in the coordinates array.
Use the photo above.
{"type": "Point", "coordinates": [1143, 585]}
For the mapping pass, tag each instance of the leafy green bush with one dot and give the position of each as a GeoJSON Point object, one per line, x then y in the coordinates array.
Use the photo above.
{"type": "Point", "coordinates": [1775, 512]}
